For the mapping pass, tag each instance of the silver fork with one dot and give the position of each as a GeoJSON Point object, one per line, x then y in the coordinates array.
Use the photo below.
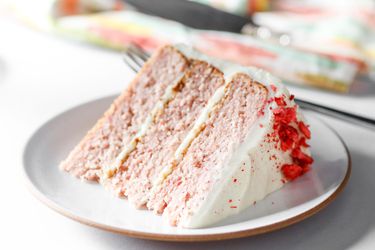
{"type": "Point", "coordinates": [135, 57]}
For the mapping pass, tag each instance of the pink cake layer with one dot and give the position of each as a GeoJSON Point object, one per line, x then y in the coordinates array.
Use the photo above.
{"type": "Point", "coordinates": [184, 190]}
{"type": "Point", "coordinates": [156, 149]}
{"type": "Point", "coordinates": [120, 122]}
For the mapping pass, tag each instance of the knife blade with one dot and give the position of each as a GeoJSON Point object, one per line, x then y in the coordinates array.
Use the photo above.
{"type": "Point", "coordinates": [193, 14]}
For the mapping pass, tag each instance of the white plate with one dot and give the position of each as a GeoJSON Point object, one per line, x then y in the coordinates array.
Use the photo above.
{"type": "Point", "coordinates": [92, 205]}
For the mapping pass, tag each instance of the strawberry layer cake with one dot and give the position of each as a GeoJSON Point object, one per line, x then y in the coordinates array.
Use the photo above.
{"type": "Point", "coordinates": [195, 139]}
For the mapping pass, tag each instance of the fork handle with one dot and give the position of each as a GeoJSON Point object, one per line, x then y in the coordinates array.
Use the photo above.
{"type": "Point", "coordinates": [335, 113]}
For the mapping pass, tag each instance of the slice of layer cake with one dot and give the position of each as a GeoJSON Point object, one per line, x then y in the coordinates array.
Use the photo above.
{"type": "Point", "coordinates": [210, 139]}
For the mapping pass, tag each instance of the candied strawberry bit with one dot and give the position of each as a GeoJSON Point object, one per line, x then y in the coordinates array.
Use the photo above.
{"type": "Point", "coordinates": [301, 157]}
{"type": "Point", "coordinates": [286, 128]}
{"type": "Point", "coordinates": [302, 142]}
{"type": "Point", "coordinates": [288, 136]}
{"type": "Point", "coordinates": [291, 133]}
{"type": "Point", "coordinates": [278, 112]}
{"type": "Point", "coordinates": [187, 197]}
{"type": "Point", "coordinates": [300, 163]}
{"type": "Point", "coordinates": [291, 114]}
{"type": "Point", "coordinates": [291, 97]}
{"type": "Point", "coordinates": [273, 87]}
{"type": "Point", "coordinates": [291, 171]}
{"type": "Point", "coordinates": [198, 164]}
{"type": "Point", "coordinates": [296, 153]}
{"type": "Point", "coordinates": [304, 129]}
{"type": "Point", "coordinates": [280, 101]}
{"type": "Point", "coordinates": [260, 113]}
{"type": "Point", "coordinates": [286, 144]}
{"type": "Point", "coordinates": [285, 115]}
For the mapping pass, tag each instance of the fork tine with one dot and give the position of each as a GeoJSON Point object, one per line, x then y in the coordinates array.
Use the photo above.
{"type": "Point", "coordinates": [139, 61]}
{"type": "Point", "coordinates": [134, 56]}
{"type": "Point", "coordinates": [130, 62]}
{"type": "Point", "coordinates": [139, 51]}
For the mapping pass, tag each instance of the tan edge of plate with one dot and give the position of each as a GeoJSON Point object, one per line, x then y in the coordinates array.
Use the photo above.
{"type": "Point", "coordinates": [204, 237]}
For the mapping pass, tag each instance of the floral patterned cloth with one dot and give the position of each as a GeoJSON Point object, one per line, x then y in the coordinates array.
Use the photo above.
{"type": "Point", "coordinates": [332, 64]}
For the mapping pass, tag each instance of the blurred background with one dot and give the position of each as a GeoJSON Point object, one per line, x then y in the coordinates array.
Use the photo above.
{"type": "Point", "coordinates": [56, 54]}
{"type": "Point", "coordinates": [315, 46]}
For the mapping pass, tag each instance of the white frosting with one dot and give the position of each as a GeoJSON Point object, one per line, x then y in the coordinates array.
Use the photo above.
{"type": "Point", "coordinates": [254, 153]}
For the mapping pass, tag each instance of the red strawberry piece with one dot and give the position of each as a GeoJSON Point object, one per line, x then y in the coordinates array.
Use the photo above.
{"type": "Point", "coordinates": [273, 87]}
{"type": "Point", "coordinates": [302, 142]}
{"type": "Point", "coordinates": [291, 171]}
{"type": "Point", "coordinates": [288, 136]}
{"type": "Point", "coordinates": [280, 101]}
{"type": "Point", "coordinates": [302, 158]}
{"type": "Point", "coordinates": [285, 115]}
{"type": "Point", "coordinates": [304, 129]}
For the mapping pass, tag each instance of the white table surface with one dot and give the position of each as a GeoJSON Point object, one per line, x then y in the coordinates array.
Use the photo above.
{"type": "Point", "coordinates": [42, 75]}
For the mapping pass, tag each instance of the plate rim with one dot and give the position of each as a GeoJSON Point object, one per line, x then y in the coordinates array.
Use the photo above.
{"type": "Point", "coordinates": [177, 237]}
